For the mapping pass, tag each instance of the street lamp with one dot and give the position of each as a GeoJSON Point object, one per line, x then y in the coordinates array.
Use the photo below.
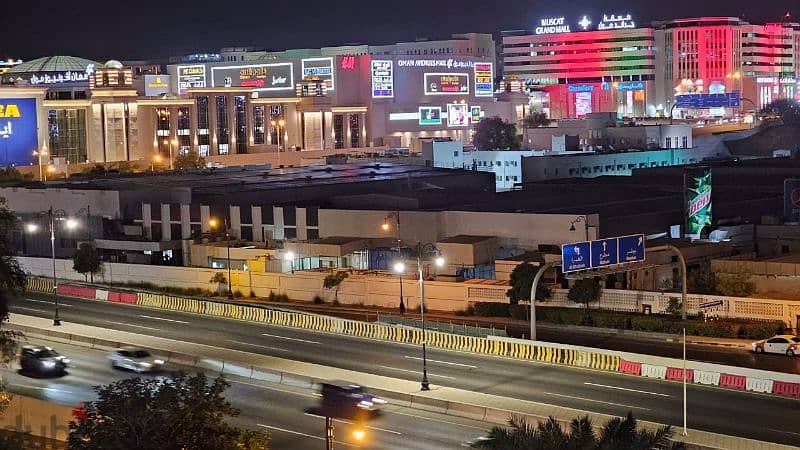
{"type": "Point", "coordinates": [70, 224]}
{"type": "Point", "coordinates": [580, 219]}
{"type": "Point", "coordinates": [439, 261]}
{"type": "Point", "coordinates": [278, 125]}
{"type": "Point", "coordinates": [39, 154]}
{"type": "Point", "coordinates": [156, 160]}
{"type": "Point", "coordinates": [386, 227]}
{"type": "Point", "coordinates": [214, 223]}
{"type": "Point", "coordinates": [289, 256]}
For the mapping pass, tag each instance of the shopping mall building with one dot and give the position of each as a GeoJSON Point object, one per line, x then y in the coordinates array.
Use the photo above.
{"type": "Point", "coordinates": [711, 66]}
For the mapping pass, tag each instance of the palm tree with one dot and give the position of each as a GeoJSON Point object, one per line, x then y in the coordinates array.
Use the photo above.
{"type": "Point", "coordinates": [617, 434]}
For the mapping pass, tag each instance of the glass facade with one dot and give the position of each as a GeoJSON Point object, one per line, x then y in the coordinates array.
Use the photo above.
{"type": "Point", "coordinates": [258, 125]}
{"type": "Point", "coordinates": [338, 131]}
{"type": "Point", "coordinates": [163, 131]}
{"type": "Point", "coordinates": [203, 140]}
{"type": "Point", "coordinates": [240, 110]}
{"type": "Point", "coordinates": [355, 130]}
{"type": "Point", "coordinates": [184, 130]}
{"type": "Point", "coordinates": [67, 130]}
{"type": "Point", "coordinates": [223, 131]}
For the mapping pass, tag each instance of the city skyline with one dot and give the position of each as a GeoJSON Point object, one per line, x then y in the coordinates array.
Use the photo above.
{"type": "Point", "coordinates": [180, 28]}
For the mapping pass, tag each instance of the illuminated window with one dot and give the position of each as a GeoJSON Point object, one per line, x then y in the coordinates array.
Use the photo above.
{"type": "Point", "coordinates": [223, 130]}
{"type": "Point", "coordinates": [67, 130]}
{"type": "Point", "coordinates": [240, 112]}
{"type": "Point", "coordinates": [258, 125]}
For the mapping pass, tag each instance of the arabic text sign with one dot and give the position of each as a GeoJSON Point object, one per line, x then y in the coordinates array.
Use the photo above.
{"type": "Point", "coordinates": [702, 101]}
{"type": "Point", "coordinates": [18, 131]}
{"type": "Point", "coordinates": [446, 83]}
{"type": "Point", "coordinates": [382, 79]}
{"type": "Point", "coordinates": [604, 253]}
{"type": "Point", "coordinates": [191, 77]}
{"type": "Point", "coordinates": [575, 257]}
{"type": "Point", "coordinates": [631, 248]}
{"type": "Point", "coordinates": [321, 68]}
{"type": "Point", "coordinates": [712, 304]}
{"type": "Point", "coordinates": [614, 22]}
{"type": "Point", "coordinates": [261, 77]}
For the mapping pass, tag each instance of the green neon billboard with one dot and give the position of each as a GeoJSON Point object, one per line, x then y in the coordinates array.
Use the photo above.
{"type": "Point", "coordinates": [697, 187]}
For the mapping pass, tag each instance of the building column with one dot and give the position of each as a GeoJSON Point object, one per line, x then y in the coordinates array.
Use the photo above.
{"type": "Point", "coordinates": [346, 129]}
{"type": "Point", "coordinates": [231, 124]}
{"type": "Point", "coordinates": [205, 215]}
{"type": "Point", "coordinates": [301, 224]}
{"type": "Point", "coordinates": [236, 222]}
{"type": "Point", "coordinates": [212, 126]}
{"type": "Point", "coordinates": [147, 221]}
{"type": "Point", "coordinates": [258, 229]}
{"type": "Point", "coordinates": [277, 214]}
{"type": "Point", "coordinates": [166, 226]}
{"type": "Point", "coordinates": [186, 228]}
{"type": "Point", "coordinates": [293, 131]}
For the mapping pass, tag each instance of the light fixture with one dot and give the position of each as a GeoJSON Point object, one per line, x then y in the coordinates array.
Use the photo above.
{"type": "Point", "coordinates": [439, 261]}
{"type": "Point", "coordinates": [213, 223]}
{"type": "Point", "coordinates": [399, 267]}
{"type": "Point", "coordinates": [572, 227]}
{"type": "Point", "coordinates": [289, 256]}
{"type": "Point", "coordinates": [385, 226]}
{"type": "Point", "coordinates": [71, 224]}
{"type": "Point", "coordinates": [31, 227]}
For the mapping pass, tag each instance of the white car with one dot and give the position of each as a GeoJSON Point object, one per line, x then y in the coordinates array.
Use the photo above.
{"type": "Point", "coordinates": [136, 359]}
{"type": "Point", "coordinates": [783, 344]}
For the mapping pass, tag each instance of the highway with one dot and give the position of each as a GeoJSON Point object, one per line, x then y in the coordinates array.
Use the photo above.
{"type": "Point", "coordinates": [276, 408]}
{"type": "Point", "coordinates": [711, 409]}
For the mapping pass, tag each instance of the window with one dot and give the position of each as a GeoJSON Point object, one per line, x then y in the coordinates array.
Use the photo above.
{"type": "Point", "coordinates": [338, 131]}
{"type": "Point", "coordinates": [223, 132]}
{"type": "Point", "coordinates": [67, 130]}
{"type": "Point", "coordinates": [259, 129]}
{"type": "Point", "coordinates": [203, 139]}
{"type": "Point", "coordinates": [668, 143]}
{"type": "Point", "coordinates": [240, 111]}
{"type": "Point", "coordinates": [355, 131]}
{"type": "Point", "coordinates": [777, 341]}
{"type": "Point", "coordinates": [163, 131]}
{"type": "Point", "coordinates": [184, 130]}
{"type": "Point", "coordinates": [685, 142]}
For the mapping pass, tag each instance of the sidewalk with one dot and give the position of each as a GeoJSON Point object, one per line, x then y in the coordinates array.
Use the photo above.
{"type": "Point", "coordinates": [451, 401]}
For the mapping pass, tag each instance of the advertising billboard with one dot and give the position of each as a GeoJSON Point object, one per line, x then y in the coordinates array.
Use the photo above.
{"type": "Point", "coordinates": [583, 103]}
{"type": "Point", "coordinates": [457, 115]}
{"type": "Point", "coordinates": [484, 80]}
{"type": "Point", "coordinates": [703, 101]}
{"type": "Point", "coordinates": [697, 189]}
{"type": "Point", "coordinates": [18, 131]}
{"type": "Point", "coordinates": [446, 83]}
{"type": "Point", "coordinates": [191, 77]}
{"type": "Point", "coordinates": [382, 79]}
{"type": "Point", "coordinates": [260, 77]}
{"type": "Point", "coordinates": [791, 199]}
{"type": "Point", "coordinates": [475, 114]}
{"type": "Point", "coordinates": [155, 85]}
{"type": "Point", "coordinates": [430, 115]}
{"type": "Point", "coordinates": [318, 68]}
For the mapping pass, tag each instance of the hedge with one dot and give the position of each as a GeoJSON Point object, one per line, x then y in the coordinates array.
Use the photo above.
{"type": "Point", "coordinates": [658, 323]}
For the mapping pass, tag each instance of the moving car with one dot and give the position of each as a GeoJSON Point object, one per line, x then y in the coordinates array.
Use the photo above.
{"type": "Point", "coordinates": [42, 360]}
{"type": "Point", "coordinates": [349, 395]}
{"type": "Point", "coordinates": [136, 359]}
{"type": "Point", "coordinates": [783, 344]}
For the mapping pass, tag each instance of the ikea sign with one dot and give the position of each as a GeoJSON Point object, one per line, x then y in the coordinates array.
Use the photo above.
{"type": "Point", "coordinates": [18, 131]}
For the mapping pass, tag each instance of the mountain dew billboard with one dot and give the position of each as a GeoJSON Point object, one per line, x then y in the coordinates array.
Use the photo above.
{"type": "Point", "coordinates": [697, 186]}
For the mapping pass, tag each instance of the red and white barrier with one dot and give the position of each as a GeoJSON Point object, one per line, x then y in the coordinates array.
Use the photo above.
{"type": "Point", "coordinates": [704, 377]}
{"type": "Point", "coordinates": [651, 371]}
{"type": "Point", "coordinates": [630, 367]}
{"type": "Point", "coordinates": [122, 297]}
{"type": "Point", "coordinates": [76, 291]}
{"type": "Point", "coordinates": [677, 374]}
{"type": "Point", "coordinates": [786, 389]}
{"type": "Point", "coordinates": [759, 385]}
{"type": "Point", "coordinates": [733, 381]}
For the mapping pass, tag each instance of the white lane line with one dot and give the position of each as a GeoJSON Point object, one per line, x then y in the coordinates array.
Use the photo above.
{"type": "Point", "coordinates": [443, 362]}
{"type": "Point", "coordinates": [28, 309]}
{"type": "Point", "coordinates": [596, 401]}
{"type": "Point", "coordinates": [365, 426]}
{"type": "Point", "coordinates": [49, 302]}
{"type": "Point", "coordinates": [164, 319]}
{"type": "Point", "coordinates": [313, 395]}
{"type": "Point", "coordinates": [260, 346]}
{"type": "Point", "coordinates": [417, 371]}
{"type": "Point", "coordinates": [784, 431]}
{"type": "Point", "coordinates": [626, 389]}
{"type": "Point", "coordinates": [269, 427]}
{"type": "Point", "coordinates": [132, 325]}
{"type": "Point", "coordinates": [39, 388]}
{"type": "Point", "coordinates": [289, 338]}
{"type": "Point", "coordinates": [439, 420]}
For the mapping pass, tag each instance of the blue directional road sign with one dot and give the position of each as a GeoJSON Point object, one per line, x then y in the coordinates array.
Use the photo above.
{"type": "Point", "coordinates": [575, 257]}
{"type": "Point", "coordinates": [631, 248]}
{"type": "Point", "coordinates": [604, 253]}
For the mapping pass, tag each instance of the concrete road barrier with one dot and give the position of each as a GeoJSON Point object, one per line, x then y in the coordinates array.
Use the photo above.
{"type": "Point", "coordinates": [630, 367]}
{"type": "Point", "coordinates": [732, 381]}
{"type": "Point", "coordinates": [704, 377]}
{"type": "Point", "coordinates": [759, 385]}
{"type": "Point", "coordinates": [675, 374]}
{"type": "Point", "coordinates": [651, 371]}
{"type": "Point", "coordinates": [786, 389]}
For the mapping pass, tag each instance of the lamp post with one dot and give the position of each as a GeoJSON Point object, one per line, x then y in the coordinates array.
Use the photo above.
{"type": "Point", "coordinates": [387, 227]}
{"type": "Point", "coordinates": [580, 219]}
{"type": "Point", "coordinates": [439, 261]}
{"type": "Point", "coordinates": [214, 223]}
{"type": "Point", "coordinates": [70, 224]}
{"type": "Point", "coordinates": [289, 256]}
{"type": "Point", "coordinates": [278, 125]}
{"type": "Point", "coordinates": [39, 154]}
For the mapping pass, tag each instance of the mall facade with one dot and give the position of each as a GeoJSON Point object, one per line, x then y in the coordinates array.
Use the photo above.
{"type": "Point", "coordinates": [709, 66]}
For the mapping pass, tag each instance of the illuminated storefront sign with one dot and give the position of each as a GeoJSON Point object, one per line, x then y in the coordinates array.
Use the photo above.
{"type": "Point", "coordinates": [583, 103]}
{"type": "Point", "coordinates": [484, 80]}
{"type": "Point", "coordinates": [446, 83]}
{"type": "Point", "coordinates": [446, 63]}
{"type": "Point", "coordinates": [704, 101]}
{"type": "Point", "coordinates": [552, 25]}
{"type": "Point", "coordinates": [580, 88]}
{"type": "Point", "coordinates": [60, 77]}
{"type": "Point", "coordinates": [614, 22]}
{"type": "Point", "coordinates": [191, 77]}
{"type": "Point", "coordinates": [766, 80]}
{"type": "Point", "coordinates": [430, 115]}
{"type": "Point", "coordinates": [458, 115]}
{"type": "Point", "coordinates": [156, 85]}
{"type": "Point", "coordinates": [318, 68]}
{"type": "Point", "coordinates": [475, 114]}
{"type": "Point", "coordinates": [18, 131]}
{"type": "Point", "coordinates": [382, 79]}
{"type": "Point", "coordinates": [260, 77]}
{"type": "Point", "coordinates": [698, 206]}
{"type": "Point", "coordinates": [625, 86]}
{"type": "Point", "coordinates": [348, 63]}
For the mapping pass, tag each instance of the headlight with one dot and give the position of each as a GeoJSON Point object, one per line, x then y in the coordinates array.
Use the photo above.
{"type": "Point", "coordinates": [49, 364]}
{"type": "Point", "coordinates": [158, 361]}
{"type": "Point", "coordinates": [65, 361]}
{"type": "Point", "coordinates": [365, 404]}
{"type": "Point", "coordinates": [145, 364]}
{"type": "Point", "coordinates": [379, 401]}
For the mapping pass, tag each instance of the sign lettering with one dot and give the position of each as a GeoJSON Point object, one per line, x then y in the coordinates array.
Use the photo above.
{"type": "Point", "coordinates": [552, 25]}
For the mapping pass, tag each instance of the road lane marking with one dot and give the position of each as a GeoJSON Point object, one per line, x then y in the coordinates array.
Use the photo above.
{"type": "Point", "coordinates": [626, 389]}
{"type": "Point", "coordinates": [259, 346]}
{"type": "Point", "coordinates": [49, 302]}
{"type": "Point", "coordinates": [40, 388]}
{"type": "Point", "coordinates": [596, 401]}
{"type": "Point", "coordinates": [29, 309]}
{"type": "Point", "coordinates": [289, 338]}
{"type": "Point", "coordinates": [164, 319]}
{"type": "Point", "coordinates": [417, 372]}
{"type": "Point", "coordinates": [352, 423]}
{"type": "Point", "coordinates": [269, 427]}
{"type": "Point", "coordinates": [312, 395]}
{"type": "Point", "coordinates": [443, 362]}
{"type": "Point", "coordinates": [132, 325]}
{"type": "Point", "coordinates": [784, 431]}
{"type": "Point", "coordinates": [439, 420]}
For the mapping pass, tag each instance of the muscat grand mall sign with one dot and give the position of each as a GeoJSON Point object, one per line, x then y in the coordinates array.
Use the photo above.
{"type": "Point", "coordinates": [557, 25]}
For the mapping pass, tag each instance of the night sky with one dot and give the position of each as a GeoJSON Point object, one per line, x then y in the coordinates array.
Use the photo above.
{"type": "Point", "coordinates": [104, 30]}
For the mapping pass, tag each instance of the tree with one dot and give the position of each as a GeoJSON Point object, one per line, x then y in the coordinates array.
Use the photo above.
{"type": "Point", "coordinates": [180, 413]}
{"type": "Point", "coordinates": [521, 281]}
{"type": "Point", "coordinates": [221, 281]}
{"type": "Point", "coordinates": [494, 133]}
{"type": "Point", "coordinates": [618, 434]}
{"type": "Point", "coordinates": [85, 260]}
{"type": "Point", "coordinates": [585, 291]}
{"type": "Point", "coordinates": [189, 160]}
{"type": "Point", "coordinates": [334, 281]}
{"type": "Point", "coordinates": [735, 284]}
{"type": "Point", "coordinates": [535, 119]}
{"type": "Point", "coordinates": [701, 280]}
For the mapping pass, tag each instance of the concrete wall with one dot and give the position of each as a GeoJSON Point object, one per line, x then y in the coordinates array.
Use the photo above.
{"type": "Point", "coordinates": [30, 201]}
{"type": "Point", "coordinates": [38, 417]}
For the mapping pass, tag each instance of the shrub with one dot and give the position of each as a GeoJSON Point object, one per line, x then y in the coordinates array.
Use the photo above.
{"type": "Point", "coordinates": [469, 311]}
{"type": "Point", "coordinates": [238, 294]}
{"type": "Point", "coordinates": [335, 302]}
{"type": "Point", "coordinates": [272, 297]}
{"type": "Point", "coordinates": [318, 300]}
{"type": "Point", "coordinates": [492, 309]}
{"type": "Point", "coordinates": [252, 293]}
{"type": "Point", "coordinates": [520, 312]}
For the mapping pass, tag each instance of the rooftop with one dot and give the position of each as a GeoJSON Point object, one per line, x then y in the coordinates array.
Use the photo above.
{"type": "Point", "coordinates": [465, 239]}
{"type": "Point", "coordinates": [54, 64]}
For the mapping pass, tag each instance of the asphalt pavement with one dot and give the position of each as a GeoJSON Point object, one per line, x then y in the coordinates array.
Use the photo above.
{"type": "Point", "coordinates": [276, 408]}
{"type": "Point", "coordinates": [746, 414]}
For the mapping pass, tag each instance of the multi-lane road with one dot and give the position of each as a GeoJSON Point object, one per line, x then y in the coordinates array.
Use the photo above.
{"type": "Point", "coordinates": [711, 409]}
{"type": "Point", "coordinates": [276, 408]}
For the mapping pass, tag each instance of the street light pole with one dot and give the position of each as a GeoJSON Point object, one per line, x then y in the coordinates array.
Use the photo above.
{"type": "Point", "coordinates": [228, 242]}
{"type": "Point", "coordinates": [56, 318]}
{"type": "Point", "coordinates": [534, 285]}
{"type": "Point", "coordinates": [425, 383]}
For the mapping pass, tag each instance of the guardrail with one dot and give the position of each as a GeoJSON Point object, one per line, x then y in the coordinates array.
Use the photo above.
{"type": "Point", "coordinates": [446, 327]}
